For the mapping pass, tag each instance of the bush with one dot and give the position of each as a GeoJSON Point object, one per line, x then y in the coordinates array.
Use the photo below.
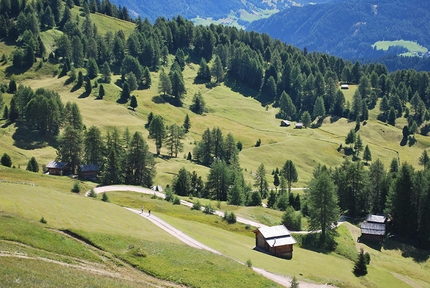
{"type": "Point", "coordinates": [249, 263]}
{"type": "Point", "coordinates": [92, 194]}
{"type": "Point", "coordinates": [230, 217]}
{"type": "Point", "coordinates": [105, 198]}
{"type": "Point", "coordinates": [76, 187]}
{"type": "Point", "coordinates": [6, 160]}
{"type": "Point", "coordinates": [258, 143]}
{"type": "Point", "coordinates": [196, 205]}
{"type": "Point", "coordinates": [292, 219]}
{"type": "Point", "coordinates": [176, 201]}
{"type": "Point", "coordinates": [43, 221]}
{"type": "Point", "coordinates": [169, 194]}
{"type": "Point", "coordinates": [209, 209]}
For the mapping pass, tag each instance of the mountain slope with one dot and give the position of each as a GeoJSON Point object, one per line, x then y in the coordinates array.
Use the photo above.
{"type": "Point", "coordinates": [349, 29]}
{"type": "Point", "coordinates": [190, 9]}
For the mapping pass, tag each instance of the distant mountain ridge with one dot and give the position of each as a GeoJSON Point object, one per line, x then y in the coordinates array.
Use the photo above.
{"type": "Point", "coordinates": [349, 28]}
{"type": "Point", "coordinates": [215, 9]}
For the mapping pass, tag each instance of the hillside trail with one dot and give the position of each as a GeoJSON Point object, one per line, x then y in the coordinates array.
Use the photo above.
{"type": "Point", "coordinates": [280, 279]}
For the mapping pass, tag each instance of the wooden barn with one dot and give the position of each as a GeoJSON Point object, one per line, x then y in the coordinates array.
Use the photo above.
{"type": "Point", "coordinates": [58, 168]}
{"type": "Point", "coordinates": [285, 123]}
{"type": "Point", "coordinates": [276, 240]}
{"type": "Point", "coordinates": [373, 228]}
{"type": "Point", "coordinates": [298, 125]}
{"type": "Point", "coordinates": [88, 171]}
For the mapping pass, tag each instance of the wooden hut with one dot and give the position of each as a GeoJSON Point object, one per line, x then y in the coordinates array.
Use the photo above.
{"type": "Point", "coordinates": [276, 240]}
{"type": "Point", "coordinates": [285, 123]}
{"type": "Point", "coordinates": [58, 168]}
{"type": "Point", "coordinates": [298, 125]}
{"type": "Point", "coordinates": [88, 171]}
{"type": "Point", "coordinates": [373, 228]}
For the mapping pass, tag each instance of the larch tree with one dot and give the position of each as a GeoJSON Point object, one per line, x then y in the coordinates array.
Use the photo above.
{"type": "Point", "coordinates": [94, 147]}
{"type": "Point", "coordinates": [289, 172]}
{"type": "Point", "coordinates": [70, 147]}
{"type": "Point", "coordinates": [133, 102]}
{"type": "Point", "coordinates": [157, 131]}
{"type": "Point", "coordinates": [187, 123]}
{"type": "Point", "coordinates": [424, 159]}
{"type": "Point", "coordinates": [32, 165]}
{"type": "Point", "coordinates": [322, 203]}
{"type": "Point", "coordinates": [182, 183]}
{"type": "Point", "coordinates": [306, 119]}
{"type": "Point", "coordinates": [217, 70]}
{"type": "Point", "coordinates": [164, 83]}
{"type": "Point", "coordinates": [173, 140]}
{"type": "Point", "coordinates": [367, 155]}
{"type": "Point", "coordinates": [261, 182]}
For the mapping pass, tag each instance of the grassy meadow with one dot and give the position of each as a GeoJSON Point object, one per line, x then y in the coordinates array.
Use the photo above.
{"type": "Point", "coordinates": [413, 47]}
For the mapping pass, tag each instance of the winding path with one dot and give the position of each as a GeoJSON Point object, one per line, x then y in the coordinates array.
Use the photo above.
{"type": "Point", "coordinates": [280, 279]}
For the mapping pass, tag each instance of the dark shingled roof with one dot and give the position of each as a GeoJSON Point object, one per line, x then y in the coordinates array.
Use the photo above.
{"type": "Point", "coordinates": [88, 167]}
{"type": "Point", "coordinates": [56, 165]}
{"type": "Point", "coordinates": [373, 228]}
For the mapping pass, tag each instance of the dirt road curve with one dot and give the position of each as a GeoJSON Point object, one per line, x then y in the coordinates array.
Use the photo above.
{"type": "Point", "coordinates": [280, 279]}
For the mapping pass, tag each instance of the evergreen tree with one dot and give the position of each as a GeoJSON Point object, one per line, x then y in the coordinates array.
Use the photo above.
{"type": "Point", "coordinates": [217, 70]}
{"type": "Point", "coordinates": [113, 168]}
{"type": "Point", "coordinates": [70, 147]}
{"type": "Point", "coordinates": [218, 180]}
{"type": "Point", "coordinates": [139, 169]}
{"type": "Point", "coordinates": [236, 193]}
{"type": "Point", "coordinates": [187, 123]}
{"type": "Point", "coordinates": [32, 165]}
{"type": "Point", "coordinates": [294, 283]}
{"type": "Point", "coordinates": [350, 138]}
{"type": "Point", "coordinates": [133, 102]}
{"type": "Point", "coordinates": [306, 119]}
{"type": "Point", "coordinates": [424, 159]}
{"type": "Point", "coordinates": [94, 147]}
{"type": "Point", "coordinates": [358, 145]}
{"type": "Point", "coordinates": [13, 112]}
{"type": "Point", "coordinates": [88, 86]}
{"type": "Point", "coordinates": [157, 131]}
{"type": "Point", "coordinates": [101, 92]}
{"type": "Point", "coordinates": [173, 140]}
{"type": "Point", "coordinates": [287, 110]}
{"type": "Point", "coordinates": [198, 105]}
{"type": "Point", "coordinates": [367, 156]}
{"type": "Point", "coordinates": [276, 180]}
{"type": "Point", "coordinates": [182, 183]}
{"type": "Point", "coordinates": [132, 81]}
{"type": "Point", "coordinates": [125, 93]}
{"type": "Point", "coordinates": [106, 72]}
{"type": "Point", "coordinates": [164, 83]}
{"type": "Point", "coordinates": [322, 202]}
{"type": "Point", "coordinates": [392, 117]}
{"type": "Point", "coordinates": [319, 109]}
{"type": "Point", "coordinates": [204, 72]}
{"type": "Point", "coordinates": [360, 267]}
{"type": "Point", "coordinates": [261, 182]}
{"type": "Point", "coordinates": [290, 174]}
{"type": "Point", "coordinates": [5, 160]}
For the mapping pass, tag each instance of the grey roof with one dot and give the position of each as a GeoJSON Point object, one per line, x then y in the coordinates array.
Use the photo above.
{"type": "Point", "coordinates": [373, 228]}
{"type": "Point", "coordinates": [89, 167]}
{"type": "Point", "coordinates": [56, 165]}
{"type": "Point", "coordinates": [277, 235]}
{"type": "Point", "coordinates": [375, 218]}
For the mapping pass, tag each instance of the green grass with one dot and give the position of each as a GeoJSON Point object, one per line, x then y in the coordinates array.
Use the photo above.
{"type": "Point", "coordinates": [413, 47]}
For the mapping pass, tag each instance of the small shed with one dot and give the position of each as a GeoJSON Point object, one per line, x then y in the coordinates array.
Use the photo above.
{"type": "Point", "coordinates": [276, 240]}
{"type": "Point", "coordinates": [344, 86]}
{"type": "Point", "coordinates": [58, 168]}
{"type": "Point", "coordinates": [285, 123]}
{"type": "Point", "coordinates": [298, 125]}
{"type": "Point", "coordinates": [373, 228]}
{"type": "Point", "coordinates": [88, 171]}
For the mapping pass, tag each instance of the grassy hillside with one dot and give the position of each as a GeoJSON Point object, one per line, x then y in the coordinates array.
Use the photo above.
{"type": "Point", "coordinates": [122, 237]}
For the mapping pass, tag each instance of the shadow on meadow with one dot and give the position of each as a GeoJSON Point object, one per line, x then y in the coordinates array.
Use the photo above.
{"type": "Point", "coordinates": [25, 138]}
{"type": "Point", "coordinates": [408, 249]}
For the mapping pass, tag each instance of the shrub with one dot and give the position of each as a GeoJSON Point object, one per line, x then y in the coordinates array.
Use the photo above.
{"type": "Point", "coordinates": [196, 205]}
{"type": "Point", "coordinates": [105, 198]}
{"type": "Point", "coordinates": [249, 263]}
{"type": "Point", "coordinates": [209, 209]}
{"type": "Point", "coordinates": [247, 226]}
{"type": "Point", "coordinates": [367, 258]}
{"type": "Point", "coordinates": [176, 201]}
{"type": "Point", "coordinates": [230, 217]}
{"type": "Point", "coordinates": [43, 221]}
{"type": "Point", "coordinates": [258, 143]}
{"type": "Point", "coordinates": [6, 160]}
{"type": "Point", "coordinates": [169, 194]}
{"type": "Point", "coordinates": [92, 194]}
{"type": "Point", "coordinates": [76, 187]}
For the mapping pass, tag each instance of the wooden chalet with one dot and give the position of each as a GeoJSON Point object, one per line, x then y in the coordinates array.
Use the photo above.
{"type": "Point", "coordinates": [298, 125]}
{"type": "Point", "coordinates": [373, 228]}
{"type": "Point", "coordinates": [285, 123]}
{"type": "Point", "coordinates": [276, 240]}
{"type": "Point", "coordinates": [88, 171]}
{"type": "Point", "coordinates": [58, 168]}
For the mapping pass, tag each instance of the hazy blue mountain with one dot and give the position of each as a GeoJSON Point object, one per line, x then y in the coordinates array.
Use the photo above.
{"type": "Point", "coordinates": [349, 28]}
{"type": "Point", "coordinates": [215, 9]}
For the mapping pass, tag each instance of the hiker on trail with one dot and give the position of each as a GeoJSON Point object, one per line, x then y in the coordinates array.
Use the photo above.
{"type": "Point", "coordinates": [142, 210]}
{"type": "Point", "coordinates": [149, 212]}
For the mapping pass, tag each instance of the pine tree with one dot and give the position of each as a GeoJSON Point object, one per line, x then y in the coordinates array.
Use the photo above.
{"type": "Point", "coordinates": [32, 165]}
{"type": "Point", "coordinates": [133, 102]}
{"type": "Point", "coordinates": [106, 72]}
{"type": "Point", "coordinates": [424, 159]}
{"type": "Point", "coordinates": [367, 156]}
{"type": "Point", "coordinates": [204, 72]}
{"type": "Point", "coordinates": [173, 140]}
{"type": "Point", "coordinates": [319, 109]}
{"type": "Point", "coordinates": [360, 267]}
{"type": "Point", "coordinates": [289, 172]}
{"type": "Point", "coordinates": [187, 124]}
{"type": "Point", "coordinates": [261, 182]}
{"type": "Point", "coordinates": [5, 160]}
{"type": "Point", "coordinates": [217, 70]}
{"type": "Point", "coordinates": [157, 131]}
{"type": "Point", "coordinates": [101, 92]}
{"type": "Point", "coordinates": [358, 145]}
{"type": "Point", "coordinates": [164, 83]}
{"type": "Point", "coordinates": [306, 119]}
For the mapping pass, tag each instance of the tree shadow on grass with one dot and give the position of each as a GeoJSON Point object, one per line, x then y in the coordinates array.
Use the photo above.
{"type": "Point", "coordinates": [408, 250]}
{"type": "Point", "coordinates": [75, 87]}
{"type": "Point", "coordinates": [375, 245]}
{"type": "Point", "coordinates": [27, 139]}
{"type": "Point", "coordinates": [404, 141]}
{"type": "Point", "coordinates": [12, 70]}
{"type": "Point", "coordinates": [334, 118]}
{"type": "Point", "coordinates": [239, 87]}
{"type": "Point", "coordinates": [84, 95]}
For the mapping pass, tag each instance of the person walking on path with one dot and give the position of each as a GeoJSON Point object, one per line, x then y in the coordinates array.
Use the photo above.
{"type": "Point", "coordinates": [149, 212]}
{"type": "Point", "coordinates": [142, 210]}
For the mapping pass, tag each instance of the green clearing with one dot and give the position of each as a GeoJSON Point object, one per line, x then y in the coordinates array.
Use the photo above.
{"type": "Point", "coordinates": [413, 47]}
{"type": "Point", "coordinates": [113, 230]}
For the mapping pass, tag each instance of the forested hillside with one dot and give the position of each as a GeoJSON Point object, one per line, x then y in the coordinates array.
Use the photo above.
{"type": "Point", "coordinates": [296, 85]}
{"type": "Point", "coordinates": [349, 29]}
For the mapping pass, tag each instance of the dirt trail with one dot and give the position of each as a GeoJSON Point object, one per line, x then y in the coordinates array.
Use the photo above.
{"type": "Point", "coordinates": [280, 279]}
